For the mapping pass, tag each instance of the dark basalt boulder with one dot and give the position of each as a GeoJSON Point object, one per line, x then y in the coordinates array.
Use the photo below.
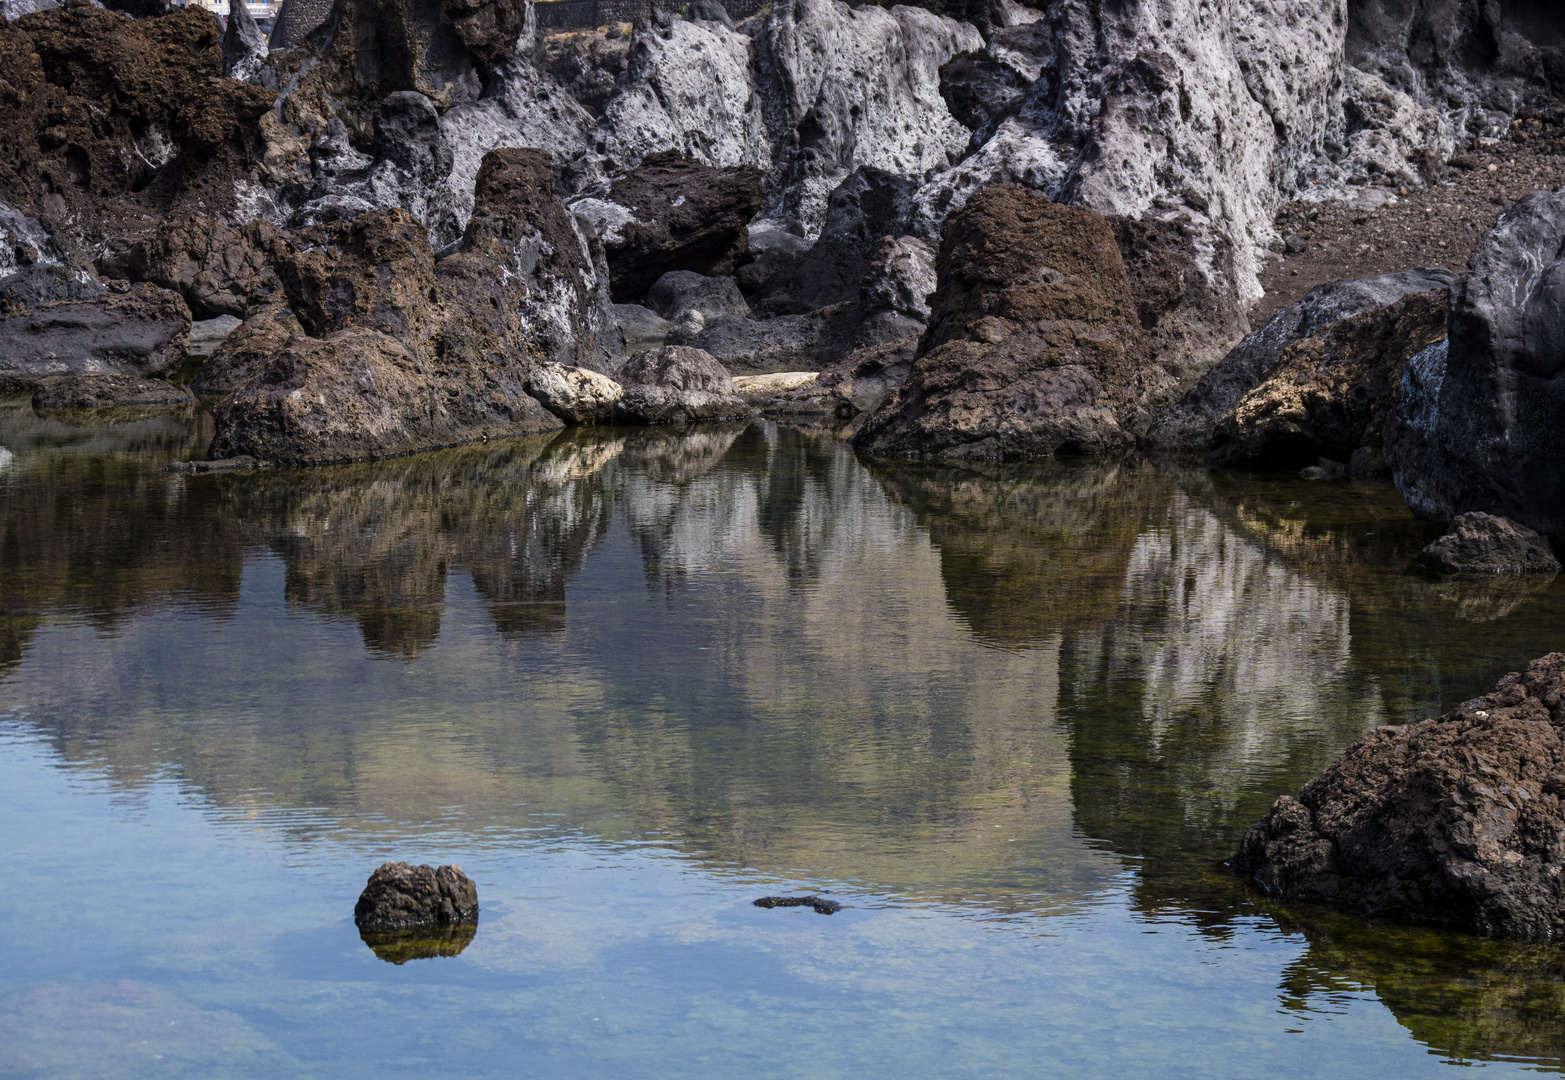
{"type": "Point", "coordinates": [106, 392]}
{"type": "Point", "coordinates": [679, 291]}
{"type": "Point", "coordinates": [1328, 395]}
{"type": "Point", "coordinates": [374, 348]}
{"type": "Point", "coordinates": [142, 332]}
{"type": "Point", "coordinates": [819, 904]}
{"type": "Point", "coordinates": [673, 213]}
{"type": "Point", "coordinates": [1480, 543]}
{"type": "Point", "coordinates": [112, 126]}
{"type": "Point", "coordinates": [244, 46]}
{"type": "Point", "coordinates": [1033, 347]}
{"type": "Point", "coordinates": [45, 283]}
{"type": "Point", "coordinates": [400, 897]}
{"type": "Point", "coordinates": [1477, 424]}
{"type": "Point", "coordinates": [675, 384]}
{"type": "Point", "coordinates": [1455, 822]}
{"type": "Point", "coordinates": [900, 278]}
{"type": "Point", "coordinates": [1188, 425]}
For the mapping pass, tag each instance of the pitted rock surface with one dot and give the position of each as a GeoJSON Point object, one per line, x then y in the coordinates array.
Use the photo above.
{"type": "Point", "coordinates": [675, 384]}
{"type": "Point", "coordinates": [1033, 345]}
{"type": "Point", "coordinates": [1479, 543]}
{"type": "Point", "coordinates": [1328, 395]}
{"type": "Point", "coordinates": [1452, 822]}
{"type": "Point", "coordinates": [403, 897]}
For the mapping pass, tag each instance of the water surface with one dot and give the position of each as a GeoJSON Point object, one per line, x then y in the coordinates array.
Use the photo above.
{"type": "Point", "coordinates": [1014, 717]}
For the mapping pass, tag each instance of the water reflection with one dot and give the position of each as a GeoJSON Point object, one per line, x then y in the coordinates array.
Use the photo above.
{"type": "Point", "coordinates": [427, 944]}
{"type": "Point", "coordinates": [990, 687]}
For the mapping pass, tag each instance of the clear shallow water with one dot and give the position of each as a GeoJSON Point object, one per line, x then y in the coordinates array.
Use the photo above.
{"type": "Point", "coordinates": [1014, 717]}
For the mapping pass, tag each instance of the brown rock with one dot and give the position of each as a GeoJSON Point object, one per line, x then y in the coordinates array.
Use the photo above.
{"type": "Point", "coordinates": [112, 125]}
{"type": "Point", "coordinates": [403, 897]}
{"type": "Point", "coordinates": [1480, 543]}
{"type": "Point", "coordinates": [1033, 344]}
{"type": "Point", "coordinates": [1329, 395]}
{"type": "Point", "coordinates": [107, 391]}
{"type": "Point", "coordinates": [217, 269]}
{"type": "Point", "coordinates": [1453, 822]}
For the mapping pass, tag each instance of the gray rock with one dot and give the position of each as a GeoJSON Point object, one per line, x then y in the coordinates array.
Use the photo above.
{"type": "Point", "coordinates": [677, 385]}
{"type": "Point", "coordinates": [107, 391]}
{"type": "Point", "coordinates": [244, 46]}
{"type": "Point", "coordinates": [901, 278]}
{"type": "Point", "coordinates": [45, 283]}
{"type": "Point", "coordinates": [865, 377]}
{"type": "Point", "coordinates": [641, 327]}
{"type": "Point", "coordinates": [1480, 543]}
{"type": "Point", "coordinates": [679, 291]}
{"type": "Point", "coordinates": [140, 333]}
{"type": "Point", "coordinates": [402, 897]}
{"type": "Point", "coordinates": [207, 334]}
{"type": "Point", "coordinates": [15, 9]}
{"type": "Point", "coordinates": [1189, 424]}
{"type": "Point", "coordinates": [1477, 423]}
{"type": "Point", "coordinates": [787, 393]}
{"type": "Point", "coordinates": [296, 19]}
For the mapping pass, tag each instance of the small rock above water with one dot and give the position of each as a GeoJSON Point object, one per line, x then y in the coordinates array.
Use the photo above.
{"type": "Point", "coordinates": [403, 897]}
{"type": "Point", "coordinates": [107, 391]}
{"type": "Point", "coordinates": [820, 904]}
{"type": "Point", "coordinates": [1479, 543]}
{"type": "Point", "coordinates": [675, 384]}
{"type": "Point", "coordinates": [1452, 822]}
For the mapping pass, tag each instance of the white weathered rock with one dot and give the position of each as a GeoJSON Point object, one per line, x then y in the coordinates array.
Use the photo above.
{"type": "Point", "coordinates": [574, 394]}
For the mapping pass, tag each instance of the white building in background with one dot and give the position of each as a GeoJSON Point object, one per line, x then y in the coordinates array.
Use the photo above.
{"type": "Point", "coordinates": [259, 9]}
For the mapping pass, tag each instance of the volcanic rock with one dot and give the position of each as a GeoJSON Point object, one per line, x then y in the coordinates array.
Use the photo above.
{"type": "Point", "coordinates": [640, 327]}
{"type": "Point", "coordinates": [1453, 822]}
{"type": "Point", "coordinates": [219, 270]}
{"type": "Point", "coordinates": [403, 897]}
{"type": "Point", "coordinates": [786, 393]}
{"type": "Point", "coordinates": [862, 379]}
{"type": "Point", "coordinates": [1477, 424]}
{"type": "Point", "coordinates": [45, 283]}
{"type": "Point", "coordinates": [95, 391]}
{"type": "Point", "coordinates": [1189, 425]}
{"type": "Point", "coordinates": [679, 291]}
{"type": "Point", "coordinates": [1480, 543]}
{"type": "Point", "coordinates": [1033, 345]}
{"type": "Point", "coordinates": [575, 395]}
{"type": "Point", "coordinates": [672, 213]}
{"type": "Point", "coordinates": [112, 126]}
{"type": "Point", "coordinates": [244, 46]}
{"type": "Point", "coordinates": [1328, 396]}
{"type": "Point", "coordinates": [142, 332]}
{"type": "Point", "coordinates": [382, 350]}
{"type": "Point", "coordinates": [901, 278]}
{"type": "Point", "coordinates": [676, 385]}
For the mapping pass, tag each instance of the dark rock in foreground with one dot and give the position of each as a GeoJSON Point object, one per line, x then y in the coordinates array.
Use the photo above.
{"type": "Point", "coordinates": [142, 332]}
{"type": "Point", "coordinates": [820, 904]}
{"type": "Point", "coordinates": [1328, 395]}
{"type": "Point", "coordinates": [1477, 425]}
{"type": "Point", "coordinates": [1454, 822]}
{"type": "Point", "coordinates": [1480, 543]}
{"type": "Point", "coordinates": [400, 897]}
{"type": "Point", "coordinates": [1033, 344]}
{"type": "Point", "coordinates": [107, 391]}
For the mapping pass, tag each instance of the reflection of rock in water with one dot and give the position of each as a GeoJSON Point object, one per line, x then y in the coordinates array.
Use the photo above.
{"type": "Point", "coordinates": [426, 944]}
{"type": "Point", "coordinates": [1465, 997]}
{"type": "Point", "coordinates": [1492, 596]}
{"type": "Point", "coordinates": [1222, 672]}
{"type": "Point", "coordinates": [1028, 551]}
{"type": "Point", "coordinates": [375, 542]}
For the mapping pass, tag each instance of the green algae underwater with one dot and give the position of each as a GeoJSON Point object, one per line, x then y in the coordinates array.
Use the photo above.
{"type": "Point", "coordinates": [1013, 718]}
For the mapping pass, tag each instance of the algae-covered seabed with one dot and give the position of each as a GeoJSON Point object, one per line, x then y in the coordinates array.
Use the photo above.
{"type": "Point", "coordinates": [1014, 716]}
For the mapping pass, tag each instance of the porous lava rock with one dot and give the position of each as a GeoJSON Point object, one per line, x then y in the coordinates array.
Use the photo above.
{"type": "Point", "coordinates": [1479, 543]}
{"type": "Point", "coordinates": [861, 380]}
{"type": "Point", "coordinates": [375, 348]}
{"type": "Point", "coordinates": [1033, 347]}
{"type": "Point", "coordinates": [1477, 423]}
{"type": "Point", "coordinates": [1188, 426]}
{"type": "Point", "coordinates": [900, 278]}
{"type": "Point", "coordinates": [1328, 396]}
{"type": "Point", "coordinates": [673, 213]}
{"type": "Point", "coordinates": [675, 384]}
{"type": "Point", "coordinates": [400, 897]}
{"type": "Point", "coordinates": [142, 332]}
{"type": "Point", "coordinates": [110, 126]}
{"type": "Point", "coordinates": [1455, 822]}
{"type": "Point", "coordinates": [45, 283]}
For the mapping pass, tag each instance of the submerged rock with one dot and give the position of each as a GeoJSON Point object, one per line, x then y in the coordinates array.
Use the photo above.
{"type": "Point", "coordinates": [1033, 347]}
{"type": "Point", "coordinates": [400, 897]}
{"type": "Point", "coordinates": [1328, 396]}
{"type": "Point", "coordinates": [1479, 543]}
{"type": "Point", "coordinates": [1452, 822]}
{"type": "Point", "coordinates": [819, 904]}
{"type": "Point", "coordinates": [1189, 424]}
{"type": "Point", "coordinates": [107, 391]}
{"type": "Point", "coordinates": [1477, 424]}
{"type": "Point", "coordinates": [676, 385]}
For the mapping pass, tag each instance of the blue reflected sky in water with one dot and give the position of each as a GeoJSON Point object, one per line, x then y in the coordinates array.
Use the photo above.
{"type": "Point", "coordinates": [863, 683]}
